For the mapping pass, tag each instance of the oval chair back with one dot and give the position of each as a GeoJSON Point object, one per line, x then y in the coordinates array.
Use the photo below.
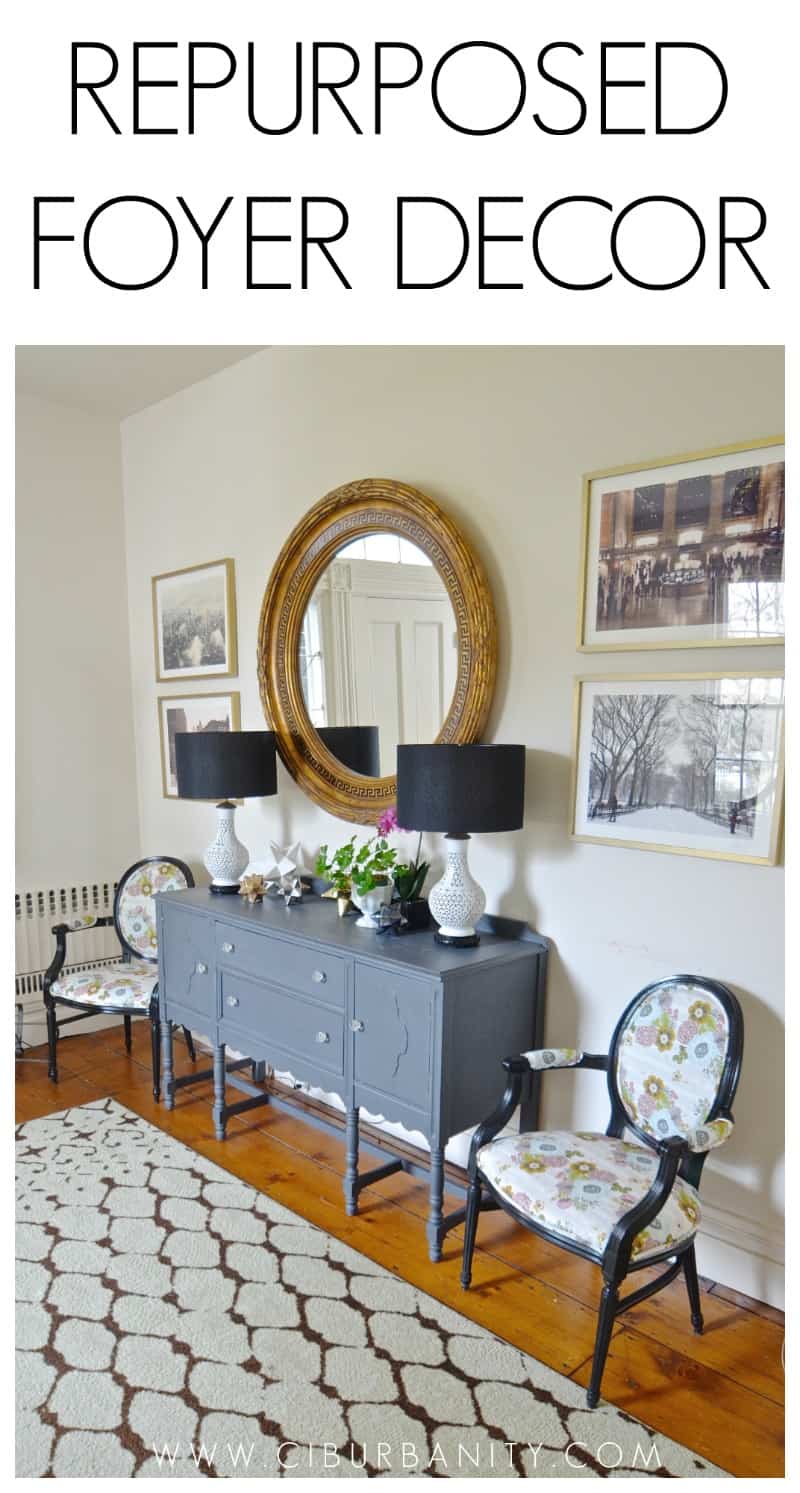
{"type": "Point", "coordinates": [675, 1060]}
{"type": "Point", "coordinates": [134, 907]}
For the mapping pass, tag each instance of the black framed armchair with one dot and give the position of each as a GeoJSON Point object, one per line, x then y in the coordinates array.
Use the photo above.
{"type": "Point", "coordinates": [129, 987]}
{"type": "Point", "coordinates": [672, 1072]}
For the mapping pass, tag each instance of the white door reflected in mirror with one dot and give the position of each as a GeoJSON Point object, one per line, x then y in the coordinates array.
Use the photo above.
{"type": "Point", "coordinates": [378, 652]}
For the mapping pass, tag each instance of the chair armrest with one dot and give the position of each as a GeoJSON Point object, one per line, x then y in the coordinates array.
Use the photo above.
{"type": "Point", "coordinates": [490, 1127]}
{"type": "Point", "coordinates": [620, 1241]}
{"type": "Point", "coordinates": [537, 1061]}
{"type": "Point", "coordinates": [80, 925]}
{"type": "Point", "coordinates": [553, 1057]}
{"type": "Point", "coordinates": [708, 1136]}
{"type": "Point", "coordinates": [75, 925]}
{"type": "Point", "coordinates": [540, 1059]}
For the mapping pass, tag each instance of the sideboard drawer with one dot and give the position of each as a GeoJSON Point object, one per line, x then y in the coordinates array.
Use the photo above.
{"type": "Point", "coordinates": [294, 1025]}
{"type": "Point", "coordinates": [393, 1035]}
{"type": "Point", "coordinates": [186, 961]}
{"type": "Point", "coordinates": [309, 971]}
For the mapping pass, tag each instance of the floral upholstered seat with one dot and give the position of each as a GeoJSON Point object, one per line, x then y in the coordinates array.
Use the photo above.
{"type": "Point", "coordinates": [128, 986]}
{"type": "Point", "coordinates": [125, 986]}
{"type": "Point", "coordinates": [578, 1184]}
{"type": "Point", "coordinates": [671, 1072]}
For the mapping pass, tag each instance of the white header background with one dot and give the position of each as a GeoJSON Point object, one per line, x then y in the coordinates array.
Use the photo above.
{"type": "Point", "coordinates": [746, 153]}
{"type": "Point", "coordinates": [751, 151]}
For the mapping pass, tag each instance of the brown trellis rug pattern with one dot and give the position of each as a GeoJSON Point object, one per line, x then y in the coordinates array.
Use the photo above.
{"type": "Point", "coordinates": [174, 1322]}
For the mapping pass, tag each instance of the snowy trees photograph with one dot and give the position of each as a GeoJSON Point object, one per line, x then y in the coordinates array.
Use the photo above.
{"type": "Point", "coordinates": [686, 763]}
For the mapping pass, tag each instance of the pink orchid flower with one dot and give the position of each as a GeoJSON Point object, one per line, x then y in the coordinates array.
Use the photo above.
{"type": "Point", "coordinates": [388, 821]}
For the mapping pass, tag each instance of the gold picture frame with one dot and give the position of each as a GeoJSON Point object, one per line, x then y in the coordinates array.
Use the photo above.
{"type": "Point", "coordinates": [234, 715]}
{"type": "Point", "coordinates": [223, 593]}
{"type": "Point", "coordinates": [679, 635]}
{"type": "Point", "coordinates": [579, 777]}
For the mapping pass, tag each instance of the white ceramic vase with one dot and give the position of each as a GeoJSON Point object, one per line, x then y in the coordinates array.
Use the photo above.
{"type": "Point", "coordinates": [368, 903]}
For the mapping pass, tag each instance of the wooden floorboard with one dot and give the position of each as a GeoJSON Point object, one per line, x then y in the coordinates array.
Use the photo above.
{"type": "Point", "coordinates": [720, 1394]}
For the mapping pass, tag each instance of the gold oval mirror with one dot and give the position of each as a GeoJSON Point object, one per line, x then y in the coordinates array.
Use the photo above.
{"type": "Point", "coordinates": [377, 627]}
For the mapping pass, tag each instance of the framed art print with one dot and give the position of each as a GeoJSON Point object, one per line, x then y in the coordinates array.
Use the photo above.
{"type": "Point", "coordinates": [687, 763]}
{"type": "Point", "coordinates": [686, 552]}
{"type": "Point", "coordinates": [194, 621]}
{"type": "Point", "coordinates": [191, 713]}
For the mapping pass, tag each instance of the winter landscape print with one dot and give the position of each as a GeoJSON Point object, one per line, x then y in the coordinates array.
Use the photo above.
{"type": "Point", "coordinates": [689, 764]}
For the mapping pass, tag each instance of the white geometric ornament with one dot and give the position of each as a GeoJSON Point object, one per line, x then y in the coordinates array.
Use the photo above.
{"type": "Point", "coordinates": [284, 861]}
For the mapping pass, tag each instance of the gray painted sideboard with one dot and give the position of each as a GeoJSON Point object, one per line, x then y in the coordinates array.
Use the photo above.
{"type": "Point", "coordinates": [405, 1028]}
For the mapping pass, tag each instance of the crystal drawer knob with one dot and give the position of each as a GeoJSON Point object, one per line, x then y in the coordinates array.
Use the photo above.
{"type": "Point", "coordinates": [322, 1037]}
{"type": "Point", "coordinates": [319, 977]}
{"type": "Point", "coordinates": [356, 1025]}
{"type": "Point", "coordinates": [227, 948]}
{"type": "Point", "coordinates": [201, 968]}
{"type": "Point", "coordinates": [233, 1000]}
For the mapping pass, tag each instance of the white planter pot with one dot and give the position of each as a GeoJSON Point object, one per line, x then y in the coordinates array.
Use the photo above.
{"type": "Point", "coordinates": [368, 903]}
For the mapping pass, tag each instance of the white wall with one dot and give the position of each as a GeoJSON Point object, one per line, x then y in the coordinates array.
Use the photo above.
{"type": "Point", "coordinates": [76, 796]}
{"type": "Point", "coordinates": [500, 437]}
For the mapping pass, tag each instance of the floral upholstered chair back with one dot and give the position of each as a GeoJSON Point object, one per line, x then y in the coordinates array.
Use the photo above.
{"type": "Point", "coordinates": [675, 1055]}
{"type": "Point", "coordinates": [134, 905]}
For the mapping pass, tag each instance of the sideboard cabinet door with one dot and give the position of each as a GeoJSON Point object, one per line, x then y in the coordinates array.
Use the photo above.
{"type": "Point", "coordinates": [393, 1042]}
{"type": "Point", "coordinates": [186, 965]}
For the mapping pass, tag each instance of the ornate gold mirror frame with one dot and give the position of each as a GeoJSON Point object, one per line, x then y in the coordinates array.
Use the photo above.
{"type": "Point", "coordinates": [350, 512]}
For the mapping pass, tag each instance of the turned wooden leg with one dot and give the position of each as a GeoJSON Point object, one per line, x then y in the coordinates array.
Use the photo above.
{"type": "Point", "coordinates": [166, 1058]}
{"type": "Point", "coordinates": [155, 1053]}
{"type": "Point", "coordinates": [52, 1039]}
{"type": "Point", "coordinates": [351, 1162]}
{"type": "Point", "coordinates": [470, 1230]}
{"type": "Point", "coordinates": [605, 1324]}
{"type": "Point", "coordinates": [219, 1092]}
{"type": "Point", "coordinates": [693, 1288]}
{"type": "Point", "coordinates": [434, 1229]}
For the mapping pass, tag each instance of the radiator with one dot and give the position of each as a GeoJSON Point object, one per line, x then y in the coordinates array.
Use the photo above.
{"type": "Point", "coordinates": [37, 909]}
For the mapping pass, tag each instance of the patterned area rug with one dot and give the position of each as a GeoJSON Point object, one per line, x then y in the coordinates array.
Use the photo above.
{"type": "Point", "coordinates": [174, 1322]}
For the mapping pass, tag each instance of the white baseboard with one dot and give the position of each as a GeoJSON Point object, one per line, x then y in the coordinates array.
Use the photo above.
{"type": "Point", "coordinates": [742, 1253]}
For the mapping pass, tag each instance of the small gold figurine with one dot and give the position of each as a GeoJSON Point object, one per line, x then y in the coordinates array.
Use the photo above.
{"type": "Point", "coordinates": [252, 887]}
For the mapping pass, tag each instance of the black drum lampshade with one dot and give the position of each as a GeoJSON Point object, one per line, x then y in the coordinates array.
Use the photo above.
{"type": "Point", "coordinates": [356, 747]}
{"type": "Point", "coordinates": [461, 790]}
{"type": "Point", "coordinates": [225, 764]}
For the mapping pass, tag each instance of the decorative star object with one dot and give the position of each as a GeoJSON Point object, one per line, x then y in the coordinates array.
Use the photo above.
{"type": "Point", "coordinates": [252, 887]}
{"type": "Point", "coordinates": [288, 887]}
{"type": "Point", "coordinates": [287, 860]}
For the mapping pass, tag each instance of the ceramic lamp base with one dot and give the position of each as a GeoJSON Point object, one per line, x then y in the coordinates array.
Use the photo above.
{"type": "Point", "coordinates": [226, 858]}
{"type": "Point", "coordinates": [457, 901]}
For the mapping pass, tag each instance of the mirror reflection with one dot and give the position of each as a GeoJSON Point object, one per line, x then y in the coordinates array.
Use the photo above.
{"type": "Point", "coordinates": [378, 652]}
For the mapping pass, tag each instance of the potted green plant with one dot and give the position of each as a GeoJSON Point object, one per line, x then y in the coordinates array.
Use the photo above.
{"type": "Point", "coordinates": [360, 875]}
{"type": "Point", "coordinates": [337, 869]}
